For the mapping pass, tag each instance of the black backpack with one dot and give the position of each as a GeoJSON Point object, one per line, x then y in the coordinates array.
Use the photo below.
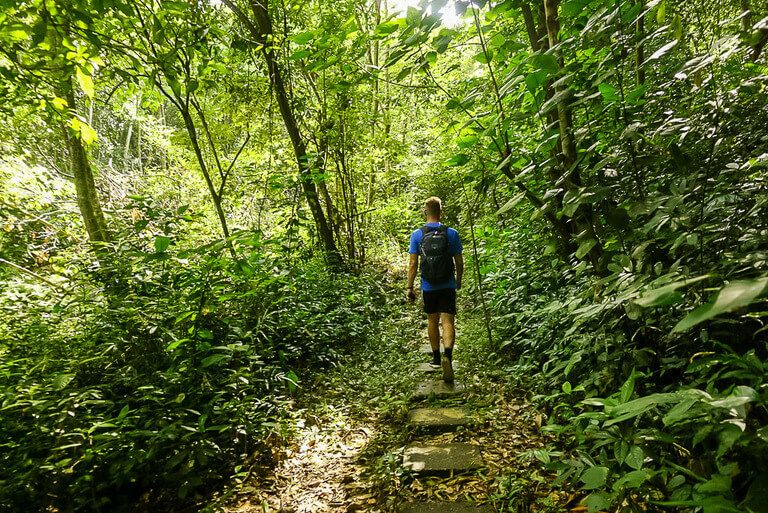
{"type": "Point", "coordinates": [436, 261]}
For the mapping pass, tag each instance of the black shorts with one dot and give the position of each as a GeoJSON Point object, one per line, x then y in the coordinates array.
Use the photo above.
{"type": "Point", "coordinates": [443, 300]}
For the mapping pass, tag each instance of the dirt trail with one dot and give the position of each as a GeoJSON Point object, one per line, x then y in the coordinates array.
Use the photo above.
{"type": "Point", "coordinates": [347, 452]}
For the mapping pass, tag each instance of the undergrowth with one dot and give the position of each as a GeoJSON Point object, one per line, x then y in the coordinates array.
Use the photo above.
{"type": "Point", "coordinates": [163, 371]}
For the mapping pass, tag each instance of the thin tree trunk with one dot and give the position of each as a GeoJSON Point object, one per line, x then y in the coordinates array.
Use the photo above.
{"type": "Point", "coordinates": [262, 32]}
{"type": "Point", "coordinates": [640, 55]}
{"type": "Point", "coordinates": [530, 27]}
{"type": "Point", "coordinates": [215, 197]}
{"type": "Point", "coordinates": [138, 144]}
{"type": "Point", "coordinates": [584, 218]}
{"type": "Point", "coordinates": [563, 109]}
{"type": "Point", "coordinates": [375, 107]}
{"type": "Point", "coordinates": [85, 186]}
{"type": "Point", "coordinates": [746, 16]}
{"type": "Point", "coordinates": [127, 148]}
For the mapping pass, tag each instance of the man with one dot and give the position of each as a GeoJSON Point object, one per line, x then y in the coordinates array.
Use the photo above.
{"type": "Point", "coordinates": [442, 268]}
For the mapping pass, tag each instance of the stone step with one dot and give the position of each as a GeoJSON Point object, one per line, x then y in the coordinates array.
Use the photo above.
{"type": "Point", "coordinates": [438, 389]}
{"type": "Point", "coordinates": [438, 419]}
{"type": "Point", "coordinates": [444, 507]}
{"type": "Point", "coordinates": [426, 348]}
{"type": "Point", "coordinates": [426, 367]}
{"type": "Point", "coordinates": [442, 459]}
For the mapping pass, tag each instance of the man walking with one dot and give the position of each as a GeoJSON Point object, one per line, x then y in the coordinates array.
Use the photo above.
{"type": "Point", "coordinates": [438, 248]}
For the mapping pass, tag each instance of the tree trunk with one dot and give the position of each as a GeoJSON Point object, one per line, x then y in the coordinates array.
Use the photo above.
{"type": "Point", "coordinates": [127, 148]}
{"type": "Point", "coordinates": [530, 27]}
{"type": "Point", "coordinates": [262, 32]}
{"type": "Point", "coordinates": [85, 186]}
{"type": "Point", "coordinates": [563, 109]}
{"type": "Point", "coordinates": [584, 218]}
{"type": "Point", "coordinates": [746, 15]}
{"type": "Point", "coordinates": [215, 196]}
{"type": "Point", "coordinates": [640, 52]}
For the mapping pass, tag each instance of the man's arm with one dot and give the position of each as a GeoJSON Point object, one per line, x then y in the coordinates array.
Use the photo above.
{"type": "Point", "coordinates": [413, 264]}
{"type": "Point", "coordinates": [458, 260]}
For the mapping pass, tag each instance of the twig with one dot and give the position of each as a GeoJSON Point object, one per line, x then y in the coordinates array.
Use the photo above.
{"type": "Point", "coordinates": [31, 273]}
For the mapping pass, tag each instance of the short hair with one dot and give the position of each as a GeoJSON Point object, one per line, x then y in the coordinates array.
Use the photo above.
{"type": "Point", "coordinates": [433, 206]}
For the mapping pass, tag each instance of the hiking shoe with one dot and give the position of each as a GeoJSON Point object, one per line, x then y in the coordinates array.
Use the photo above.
{"type": "Point", "coordinates": [447, 369]}
{"type": "Point", "coordinates": [435, 364]}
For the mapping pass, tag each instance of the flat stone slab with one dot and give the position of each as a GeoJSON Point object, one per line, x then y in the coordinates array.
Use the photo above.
{"type": "Point", "coordinates": [442, 458]}
{"type": "Point", "coordinates": [438, 419]}
{"type": "Point", "coordinates": [437, 388]}
{"type": "Point", "coordinates": [426, 348]}
{"type": "Point", "coordinates": [427, 367]}
{"type": "Point", "coordinates": [444, 507]}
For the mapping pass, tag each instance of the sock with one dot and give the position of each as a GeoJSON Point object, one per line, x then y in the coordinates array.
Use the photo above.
{"type": "Point", "coordinates": [436, 356]}
{"type": "Point", "coordinates": [449, 353]}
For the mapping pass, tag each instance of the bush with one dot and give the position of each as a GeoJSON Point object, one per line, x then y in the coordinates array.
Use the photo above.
{"type": "Point", "coordinates": [161, 370]}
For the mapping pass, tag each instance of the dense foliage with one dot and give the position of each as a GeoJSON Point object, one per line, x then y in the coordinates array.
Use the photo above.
{"type": "Point", "coordinates": [203, 202]}
{"type": "Point", "coordinates": [163, 369]}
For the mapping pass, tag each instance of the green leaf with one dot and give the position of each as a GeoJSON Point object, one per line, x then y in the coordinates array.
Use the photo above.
{"type": "Point", "coordinates": [483, 57]}
{"type": "Point", "coordinates": [175, 86]}
{"type": "Point", "coordinates": [635, 457]}
{"type": "Point", "coordinates": [633, 479]}
{"type": "Point", "coordinates": [457, 160]}
{"type": "Point", "coordinates": [634, 96]}
{"type": "Point", "coordinates": [718, 484]}
{"type": "Point", "coordinates": [85, 81]}
{"type": "Point", "coordinates": [609, 93]}
{"type": "Point", "coordinates": [680, 412]}
{"type": "Point", "coordinates": [161, 243]}
{"type": "Point", "coordinates": [512, 203]}
{"type": "Point", "coordinates": [658, 54]}
{"type": "Point", "coordinates": [62, 380]}
{"type": "Point", "coordinates": [718, 504]}
{"type": "Point", "coordinates": [628, 388]}
{"type": "Point", "coordinates": [585, 248]}
{"type": "Point", "coordinates": [413, 16]}
{"type": "Point", "coordinates": [535, 80]}
{"type": "Point", "coordinates": [59, 104]}
{"type": "Point", "coordinates": [293, 381]}
{"type": "Point", "coordinates": [733, 296]}
{"type": "Point", "coordinates": [300, 54]}
{"type": "Point", "coordinates": [600, 501]}
{"type": "Point", "coordinates": [546, 62]}
{"type": "Point", "coordinates": [638, 406]}
{"type": "Point", "coordinates": [383, 29]}
{"type": "Point", "coordinates": [303, 38]}
{"type": "Point", "coordinates": [83, 130]}
{"type": "Point", "coordinates": [666, 295]}
{"type": "Point", "coordinates": [123, 413]}
{"type": "Point", "coordinates": [214, 359]}
{"type": "Point", "coordinates": [466, 141]}
{"type": "Point", "coordinates": [594, 477]}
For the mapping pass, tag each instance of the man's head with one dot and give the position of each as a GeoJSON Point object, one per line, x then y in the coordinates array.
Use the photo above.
{"type": "Point", "coordinates": [433, 207]}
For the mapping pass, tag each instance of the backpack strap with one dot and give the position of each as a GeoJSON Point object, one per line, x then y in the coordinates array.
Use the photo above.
{"type": "Point", "coordinates": [426, 229]}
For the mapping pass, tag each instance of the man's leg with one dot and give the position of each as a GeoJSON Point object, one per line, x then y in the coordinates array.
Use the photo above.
{"type": "Point", "coordinates": [449, 332]}
{"type": "Point", "coordinates": [433, 329]}
{"type": "Point", "coordinates": [448, 309]}
{"type": "Point", "coordinates": [449, 335]}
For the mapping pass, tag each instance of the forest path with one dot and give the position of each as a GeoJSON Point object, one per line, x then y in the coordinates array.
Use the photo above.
{"type": "Point", "coordinates": [349, 441]}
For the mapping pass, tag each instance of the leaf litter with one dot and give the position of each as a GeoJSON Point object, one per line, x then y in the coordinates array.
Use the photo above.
{"type": "Point", "coordinates": [347, 449]}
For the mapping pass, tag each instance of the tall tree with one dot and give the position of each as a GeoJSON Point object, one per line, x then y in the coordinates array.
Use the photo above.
{"type": "Point", "coordinates": [260, 27]}
{"type": "Point", "coordinates": [45, 64]}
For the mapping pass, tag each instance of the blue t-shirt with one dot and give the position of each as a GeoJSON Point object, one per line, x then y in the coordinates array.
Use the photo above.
{"type": "Point", "coordinates": [454, 248]}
